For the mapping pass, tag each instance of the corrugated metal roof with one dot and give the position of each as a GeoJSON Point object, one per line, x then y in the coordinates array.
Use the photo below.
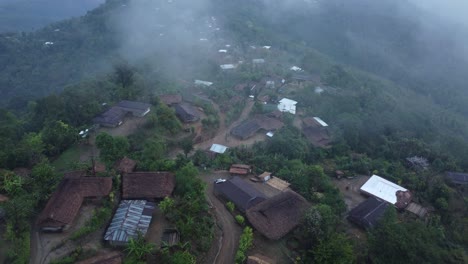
{"type": "Point", "coordinates": [320, 121]}
{"type": "Point", "coordinates": [381, 188]}
{"type": "Point", "coordinates": [131, 216]}
{"type": "Point", "coordinates": [218, 148]}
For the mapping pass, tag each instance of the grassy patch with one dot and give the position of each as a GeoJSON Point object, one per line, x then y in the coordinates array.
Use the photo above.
{"type": "Point", "coordinates": [100, 217]}
{"type": "Point", "coordinates": [69, 157]}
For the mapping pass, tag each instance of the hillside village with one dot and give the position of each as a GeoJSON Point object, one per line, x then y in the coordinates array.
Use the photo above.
{"type": "Point", "coordinates": [244, 164]}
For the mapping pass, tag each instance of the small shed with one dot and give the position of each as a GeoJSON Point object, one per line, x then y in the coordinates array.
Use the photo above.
{"type": "Point", "coordinates": [240, 169]}
{"type": "Point", "coordinates": [132, 217]}
{"type": "Point", "coordinates": [264, 177]}
{"type": "Point", "coordinates": [218, 149]}
{"type": "Point", "coordinates": [278, 183]}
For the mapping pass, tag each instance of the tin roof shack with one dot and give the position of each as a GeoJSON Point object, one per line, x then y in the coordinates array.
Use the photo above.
{"type": "Point", "coordinates": [264, 177]}
{"type": "Point", "coordinates": [147, 185]}
{"type": "Point", "coordinates": [316, 132]}
{"type": "Point", "coordinates": [64, 204]}
{"type": "Point", "coordinates": [457, 178]}
{"type": "Point", "coordinates": [170, 99]}
{"type": "Point", "coordinates": [218, 149]}
{"type": "Point", "coordinates": [113, 117]}
{"type": "Point", "coordinates": [387, 191]}
{"type": "Point", "coordinates": [242, 194]}
{"type": "Point", "coordinates": [136, 108]}
{"type": "Point", "coordinates": [132, 217]}
{"type": "Point", "coordinates": [368, 213]}
{"type": "Point", "coordinates": [240, 169]}
{"type": "Point", "coordinates": [278, 215]}
{"type": "Point", "coordinates": [171, 236]}
{"type": "Point", "coordinates": [187, 113]}
{"type": "Point", "coordinates": [105, 258]}
{"type": "Point", "coordinates": [125, 165]}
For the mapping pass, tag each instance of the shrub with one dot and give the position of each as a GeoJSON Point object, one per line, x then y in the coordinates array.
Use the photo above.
{"type": "Point", "coordinates": [230, 206]}
{"type": "Point", "coordinates": [245, 243]}
{"type": "Point", "coordinates": [240, 219]}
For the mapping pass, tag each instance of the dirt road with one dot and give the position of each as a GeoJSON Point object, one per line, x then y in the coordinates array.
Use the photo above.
{"type": "Point", "coordinates": [230, 230]}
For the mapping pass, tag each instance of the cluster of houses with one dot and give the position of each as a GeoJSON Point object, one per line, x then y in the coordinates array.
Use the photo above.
{"type": "Point", "coordinates": [382, 194]}
{"type": "Point", "coordinates": [274, 216]}
{"type": "Point", "coordinates": [140, 192]}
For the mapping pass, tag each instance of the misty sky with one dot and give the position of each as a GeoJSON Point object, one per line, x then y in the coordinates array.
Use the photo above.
{"type": "Point", "coordinates": [455, 10]}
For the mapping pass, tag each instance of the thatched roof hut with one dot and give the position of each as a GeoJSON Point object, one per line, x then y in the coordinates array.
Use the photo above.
{"type": "Point", "coordinates": [147, 185]}
{"type": "Point", "coordinates": [278, 215]}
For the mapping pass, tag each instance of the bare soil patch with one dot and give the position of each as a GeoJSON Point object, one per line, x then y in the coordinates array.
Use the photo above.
{"type": "Point", "coordinates": [350, 190]}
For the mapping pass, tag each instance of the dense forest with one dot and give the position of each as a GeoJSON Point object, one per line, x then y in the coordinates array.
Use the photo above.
{"type": "Point", "coordinates": [387, 95]}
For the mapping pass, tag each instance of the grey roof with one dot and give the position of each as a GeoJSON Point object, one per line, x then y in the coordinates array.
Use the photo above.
{"type": "Point", "coordinates": [457, 177]}
{"type": "Point", "coordinates": [131, 217]}
{"type": "Point", "coordinates": [113, 116]}
{"type": "Point", "coordinates": [241, 193]}
{"type": "Point", "coordinates": [133, 105]}
{"type": "Point", "coordinates": [368, 213]}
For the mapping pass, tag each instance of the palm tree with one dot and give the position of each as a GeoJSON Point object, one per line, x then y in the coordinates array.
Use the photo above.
{"type": "Point", "coordinates": [138, 247]}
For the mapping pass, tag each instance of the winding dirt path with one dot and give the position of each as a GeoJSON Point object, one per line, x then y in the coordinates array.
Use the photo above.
{"type": "Point", "coordinates": [230, 230]}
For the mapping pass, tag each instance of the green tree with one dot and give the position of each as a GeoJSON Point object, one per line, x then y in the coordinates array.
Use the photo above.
{"type": "Point", "coordinates": [187, 145]}
{"type": "Point", "coordinates": [139, 248]}
{"type": "Point", "coordinates": [30, 150]}
{"type": "Point", "coordinates": [112, 148]}
{"type": "Point", "coordinates": [44, 180]}
{"type": "Point", "coordinates": [334, 249]}
{"type": "Point", "coordinates": [230, 206]}
{"type": "Point", "coordinates": [166, 205]}
{"type": "Point", "coordinates": [57, 136]}
{"type": "Point", "coordinates": [182, 257]}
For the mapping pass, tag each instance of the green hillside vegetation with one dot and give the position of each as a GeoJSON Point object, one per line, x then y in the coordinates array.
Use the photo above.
{"type": "Point", "coordinates": [51, 92]}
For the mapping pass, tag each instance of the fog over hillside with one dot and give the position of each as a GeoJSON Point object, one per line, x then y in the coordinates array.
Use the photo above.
{"type": "Point", "coordinates": [28, 15]}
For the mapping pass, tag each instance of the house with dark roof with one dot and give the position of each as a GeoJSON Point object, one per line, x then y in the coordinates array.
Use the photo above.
{"type": "Point", "coordinates": [368, 213]}
{"type": "Point", "coordinates": [248, 128]}
{"type": "Point", "coordinates": [105, 258]}
{"type": "Point", "coordinates": [457, 177]}
{"type": "Point", "coordinates": [64, 204]}
{"type": "Point", "coordinates": [187, 113]}
{"type": "Point", "coordinates": [113, 117]}
{"type": "Point", "coordinates": [238, 191]}
{"type": "Point", "coordinates": [277, 216]}
{"type": "Point", "coordinates": [147, 185]}
{"type": "Point", "coordinates": [131, 217]}
{"type": "Point", "coordinates": [136, 108]}
{"type": "Point", "coordinates": [170, 99]}
{"type": "Point", "coordinates": [125, 165]}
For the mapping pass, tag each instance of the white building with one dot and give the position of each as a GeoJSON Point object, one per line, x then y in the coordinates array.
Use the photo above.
{"type": "Point", "coordinates": [227, 66]}
{"type": "Point", "coordinates": [258, 61]}
{"type": "Point", "coordinates": [295, 68]}
{"type": "Point", "coordinates": [202, 83]}
{"type": "Point", "coordinates": [381, 188]}
{"type": "Point", "coordinates": [287, 105]}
